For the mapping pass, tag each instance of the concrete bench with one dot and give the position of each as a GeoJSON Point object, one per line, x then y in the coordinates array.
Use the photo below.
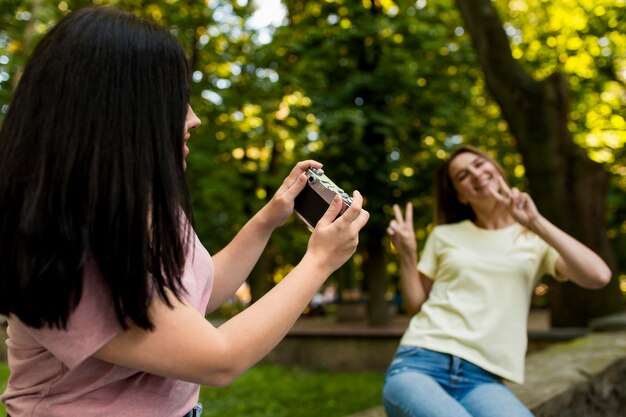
{"type": "Point", "coordinates": [585, 377]}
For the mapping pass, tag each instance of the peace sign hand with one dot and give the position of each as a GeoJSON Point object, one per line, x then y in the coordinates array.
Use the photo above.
{"type": "Point", "coordinates": [401, 230]}
{"type": "Point", "coordinates": [519, 204]}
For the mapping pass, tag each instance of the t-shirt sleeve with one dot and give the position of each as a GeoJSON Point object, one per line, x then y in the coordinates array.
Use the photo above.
{"type": "Point", "coordinates": [90, 326]}
{"type": "Point", "coordinates": [548, 264]}
{"type": "Point", "coordinates": [427, 263]}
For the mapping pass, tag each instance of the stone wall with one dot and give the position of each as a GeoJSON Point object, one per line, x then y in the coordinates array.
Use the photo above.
{"type": "Point", "coordinates": [582, 378]}
{"type": "Point", "coordinates": [354, 346]}
{"type": "Point", "coordinates": [334, 350]}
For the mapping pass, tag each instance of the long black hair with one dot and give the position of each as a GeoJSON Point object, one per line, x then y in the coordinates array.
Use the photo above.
{"type": "Point", "coordinates": [91, 168]}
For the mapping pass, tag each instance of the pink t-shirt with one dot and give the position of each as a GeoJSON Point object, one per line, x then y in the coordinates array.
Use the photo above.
{"type": "Point", "coordinates": [53, 373]}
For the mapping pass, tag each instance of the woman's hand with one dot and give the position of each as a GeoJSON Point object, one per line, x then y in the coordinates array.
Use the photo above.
{"type": "Point", "coordinates": [519, 204]}
{"type": "Point", "coordinates": [280, 207]}
{"type": "Point", "coordinates": [401, 230]}
{"type": "Point", "coordinates": [414, 285]}
{"type": "Point", "coordinates": [334, 239]}
{"type": "Point", "coordinates": [576, 261]}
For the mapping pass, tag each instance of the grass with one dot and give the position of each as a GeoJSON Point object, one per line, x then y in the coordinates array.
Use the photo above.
{"type": "Point", "coordinates": [276, 391]}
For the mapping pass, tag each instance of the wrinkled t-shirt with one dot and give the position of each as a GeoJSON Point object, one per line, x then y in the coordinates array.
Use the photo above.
{"type": "Point", "coordinates": [478, 306]}
{"type": "Point", "coordinates": [53, 372]}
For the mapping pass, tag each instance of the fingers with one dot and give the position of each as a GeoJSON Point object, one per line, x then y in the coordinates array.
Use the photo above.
{"type": "Point", "coordinates": [391, 229]}
{"type": "Point", "coordinates": [515, 198]}
{"type": "Point", "coordinates": [503, 188]}
{"type": "Point", "coordinates": [302, 166]}
{"type": "Point", "coordinates": [354, 215]}
{"type": "Point", "coordinates": [523, 201]}
{"type": "Point", "coordinates": [495, 193]}
{"type": "Point", "coordinates": [518, 200]}
{"type": "Point", "coordinates": [399, 218]}
{"type": "Point", "coordinates": [353, 212]}
{"type": "Point", "coordinates": [362, 219]}
{"type": "Point", "coordinates": [398, 214]}
{"type": "Point", "coordinates": [299, 169]}
{"type": "Point", "coordinates": [331, 213]}
{"type": "Point", "coordinates": [400, 221]}
{"type": "Point", "coordinates": [409, 213]}
{"type": "Point", "coordinates": [297, 186]}
{"type": "Point", "coordinates": [295, 181]}
{"type": "Point", "coordinates": [501, 191]}
{"type": "Point", "coordinates": [401, 230]}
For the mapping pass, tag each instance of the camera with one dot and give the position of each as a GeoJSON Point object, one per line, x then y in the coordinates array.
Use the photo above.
{"type": "Point", "coordinates": [315, 198]}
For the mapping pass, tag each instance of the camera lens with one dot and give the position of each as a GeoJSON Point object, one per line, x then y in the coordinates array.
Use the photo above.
{"type": "Point", "coordinates": [312, 180]}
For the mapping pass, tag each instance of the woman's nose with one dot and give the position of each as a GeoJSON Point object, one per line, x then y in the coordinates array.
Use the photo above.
{"type": "Point", "coordinates": [193, 121]}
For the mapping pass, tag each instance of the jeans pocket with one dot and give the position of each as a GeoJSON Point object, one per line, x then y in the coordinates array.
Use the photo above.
{"type": "Point", "coordinates": [404, 351]}
{"type": "Point", "coordinates": [404, 355]}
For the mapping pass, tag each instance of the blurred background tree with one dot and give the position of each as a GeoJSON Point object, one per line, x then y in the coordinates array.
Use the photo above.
{"type": "Point", "coordinates": [379, 91]}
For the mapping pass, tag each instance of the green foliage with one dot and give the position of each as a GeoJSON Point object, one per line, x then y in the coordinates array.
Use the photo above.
{"type": "Point", "coordinates": [376, 90]}
{"type": "Point", "coordinates": [4, 377]}
{"type": "Point", "coordinates": [394, 80]}
{"type": "Point", "coordinates": [587, 41]}
{"type": "Point", "coordinates": [273, 391]}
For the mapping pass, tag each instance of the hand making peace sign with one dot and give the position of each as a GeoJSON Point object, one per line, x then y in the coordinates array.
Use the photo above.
{"type": "Point", "coordinates": [401, 230]}
{"type": "Point", "coordinates": [519, 204]}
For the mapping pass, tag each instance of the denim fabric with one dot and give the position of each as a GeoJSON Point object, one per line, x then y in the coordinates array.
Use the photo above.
{"type": "Point", "coordinates": [424, 383]}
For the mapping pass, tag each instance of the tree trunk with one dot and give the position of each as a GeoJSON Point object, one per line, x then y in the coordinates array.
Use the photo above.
{"type": "Point", "coordinates": [375, 275]}
{"type": "Point", "coordinates": [374, 263]}
{"type": "Point", "coordinates": [568, 188]}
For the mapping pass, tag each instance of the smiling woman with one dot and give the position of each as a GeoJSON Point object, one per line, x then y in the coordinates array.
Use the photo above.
{"type": "Point", "coordinates": [449, 205]}
{"type": "Point", "coordinates": [470, 292]}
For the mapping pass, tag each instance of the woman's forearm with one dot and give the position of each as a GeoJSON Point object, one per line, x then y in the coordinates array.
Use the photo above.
{"type": "Point", "coordinates": [578, 263]}
{"type": "Point", "coordinates": [185, 346]}
{"type": "Point", "coordinates": [255, 331]}
{"type": "Point", "coordinates": [235, 261]}
{"type": "Point", "coordinates": [413, 291]}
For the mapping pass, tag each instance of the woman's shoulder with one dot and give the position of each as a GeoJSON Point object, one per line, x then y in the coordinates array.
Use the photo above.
{"type": "Point", "coordinates": [447, 228]}
{"type": "Point", "coordinates": [451, 232]}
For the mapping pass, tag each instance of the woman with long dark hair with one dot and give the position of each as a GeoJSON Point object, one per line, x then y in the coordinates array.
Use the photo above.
{"type": "Point", "coordinates": [103, 280]}
{"type": "Point", "coordinates": [470, 292]}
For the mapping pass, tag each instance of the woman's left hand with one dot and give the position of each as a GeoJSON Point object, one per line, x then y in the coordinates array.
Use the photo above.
{"type": "Point", "coordinates": [576, 261]}
{"type": "Point", "coordinates": [280, 207]}
{"type": "Point", "coordinates": [521, 206]}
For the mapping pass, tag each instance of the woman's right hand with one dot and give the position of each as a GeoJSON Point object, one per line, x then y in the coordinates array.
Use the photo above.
{"type": "Point", "coordinates": [335, 239]}
{"type": "Point", "coordinates": [401, 230]}
{"type": "Point", "coordinates": [415, 286]}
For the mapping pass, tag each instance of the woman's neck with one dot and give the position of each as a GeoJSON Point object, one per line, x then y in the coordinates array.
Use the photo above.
{"type": "Point", "coordinates": [492, 216]}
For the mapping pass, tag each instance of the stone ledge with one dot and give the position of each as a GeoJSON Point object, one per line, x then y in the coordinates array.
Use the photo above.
{"type": "Point", "coordinates": [611, 323]}
{"type": "Point", "coordinates": [327, 343]}
{"type": "Point", "coordinates": [584, 377]}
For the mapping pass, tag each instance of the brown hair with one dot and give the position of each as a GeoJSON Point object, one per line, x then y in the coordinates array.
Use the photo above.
{"type": "Point", "coordinates": [448, 208]}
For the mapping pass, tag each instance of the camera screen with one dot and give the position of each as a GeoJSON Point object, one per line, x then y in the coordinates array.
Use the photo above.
{"type": "Point", "coordinates": [310, 205]}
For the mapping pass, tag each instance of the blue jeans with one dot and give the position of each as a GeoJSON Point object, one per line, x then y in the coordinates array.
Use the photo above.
{"type": "Point", "coordinates": [424, 383]}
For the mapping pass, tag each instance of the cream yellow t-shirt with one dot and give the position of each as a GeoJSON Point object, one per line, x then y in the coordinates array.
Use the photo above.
{"type": "Point", "coordinates": [478, 306]}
